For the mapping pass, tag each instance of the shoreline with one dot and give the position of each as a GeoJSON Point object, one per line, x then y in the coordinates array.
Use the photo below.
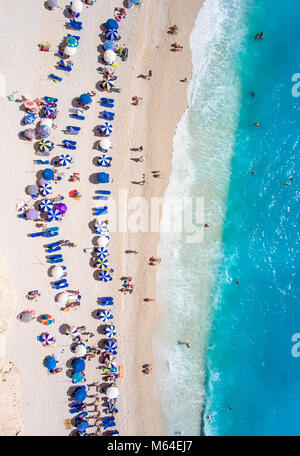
{"type": "Point", "coordinates": [152, 124]}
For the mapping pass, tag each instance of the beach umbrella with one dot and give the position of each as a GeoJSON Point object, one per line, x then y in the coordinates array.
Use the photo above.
{"type": "Point", "coordinates": [105, 143]}
{"type": "Point", "coordinates": [110, 331]}
{"type": "Point", "coordinates": [48, 174]}
{"type": "Point", "coordinates": [105, 276]}
{"type": "Point", "coordinates": [43, 131]}
{"type": "Point", "coordinates": [108, 77]}
{"type": "Point", "coordinates": [46, 122]}
{"type": "Point", "coordinates": [82, 427]}
{"type": "Point", "coordinates": [103, 241]}
{"type": "Point", "coordinates": [103, 160]}
{"type": "Point", "coordinates": [112, 24]}
{"type": "Point", "coordinates": [102, 264]}
{"type": "Point", "coordinates": [61, 207]}
{"type": "Point", "coordinates": [85, 99]}
{"type": "Point", "coordinates": [112, 392]}
{"type": "Point", "coordinates": [45, 189]}
{"type": "Point", "coordinates": [46, 319]}
{"type": "Point", "coordinates": [46, 205]}
{"type": "Point", "coordinates": [106, 128]}
{"type": "Point", "coordinates": [50, 362]}
{"type": "Point", "coordinates": [71, 330]}
{"type": "Point", "coordinates": [63, 298]}
{"type": "Point", "coordinates": [77, 6]}
{"type": "Point", "coordinates": [47, 339]}
{"type": "Point", "coordinates": [54, 215]}
{"type": "Point", "coordinates": [32, 189]}
{"type": "Point", "coordinates": [30, 105]}
{"type": "Point", "coordinates": [32, 214]}
{"type": "Point", "coordinates": [110, 346]}
{"type": "Point", "coordinates": [112, 34]}
{"type": "Point", "coordinates": [109, 56]}
{"type": "Point", "coordinates": [57, 272]}
{"type": "Point", "coordinates": [72, 41]}
{"type": "Point", "coordinates": [80, 394]}
{"type": "Point", "coordinates": [78, 365]}
{"type": "Point", "coordinates": [26, 316]}
{"type": "Point", "coordinates": [101, 252]}
{"type": "Point", "coordinates": [80, 350]}
{"type": "Point", "coordinates": [105, 315]}
{"type": "Point", "coordinates": [45, 145]}
{"type": "Point", "coordinates": [49, 112]}
{"type": "Point", "coordinates": [101, 227]}
{"type": "Point", "coordinates": [77, 377]}
{"type": "Point", "coordinates": [106, 85]}
{"type": "Point", "coordinates": [109, 44]}
{"type": "Point", "coordinates": [65, 159]}
{"type": "Point", "coordinates": [70, 51]}
{"type": "Point", "coordinates": [103, 178]}
{"type": "Point", "coordinates": [30, 133]}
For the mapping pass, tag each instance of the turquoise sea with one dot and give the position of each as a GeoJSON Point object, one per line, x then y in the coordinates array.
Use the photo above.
{"type": "Point", "coordinates": [235, 296]}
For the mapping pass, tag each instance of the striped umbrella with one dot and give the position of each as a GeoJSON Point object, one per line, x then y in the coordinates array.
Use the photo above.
{"type": "Point", "coordinates": [65, 159]}
{"type": "Point", "coordinates": [54, 215]}
{"type": "Point", "coordinates": [46, 205]}
{"type": "Point", "coordinates": [105, 276]}
{"type": "Point", "coordinates": [47, 319]}
{"type": "Point", "coordinates": [30, 133]}
{"type": "Point", "coordinates": [49, 112]}
{"type": "Point", "coordinates": [102, 264]}
{"type": "Point", "coordinates": [110, 346]}
{"type": "Point", "coordinates": [105, 316]}
{"type": "Point", "coordinates": [45, 145]}
{"type": "Point", "coordinates": [47, 339]}
{"type": "Point", "coordinates": [71, 330]}
{"type": "Point", "coordinates": [106, 128]}
{"type": "Point", "coordinates": [106, 85]}
{"type": "Point", "coordinates": [103, 160]}
{"type": "Point", "coordinates": [108, 77]}
{"type": "Point", "coordinates": [109, 44]}
{"type": "Point", "coordinates": [101, 227]}
{"type": "Point", "coordinates": [101, 252]}
{"type": "Point", "coordinates": [110, 331]}
{"type": "Point", "coordinates": [112, 34]}
{"type": "Point", "coordinates": [72, 41]}
{"type": "Point", "coordinates": [43, 131]}
{"type": "Point", "coordinates": [45, 189]}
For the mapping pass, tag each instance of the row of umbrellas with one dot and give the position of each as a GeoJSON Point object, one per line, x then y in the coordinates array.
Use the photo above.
{"type": "Point", "coordinates": [43, 131]}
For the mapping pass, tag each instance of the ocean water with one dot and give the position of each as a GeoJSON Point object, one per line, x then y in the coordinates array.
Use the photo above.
{"type": "Point", "coordinates": [235, 296]}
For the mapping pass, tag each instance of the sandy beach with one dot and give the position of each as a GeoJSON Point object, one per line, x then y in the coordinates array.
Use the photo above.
{"type": "Point", "coordinates": [37, 403]}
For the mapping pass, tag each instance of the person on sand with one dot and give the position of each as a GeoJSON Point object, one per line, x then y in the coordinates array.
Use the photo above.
{"type": "Point", "coordinates": [184, 80]}
{"type": "Point", "coordinates": [141, 148]}
{"type": "Point", "coordinates": [142, 182]}
{"type": "Point", "coordinates": [149, 299]}
{"type": "Point", "coordinates": [149, 75]}
{"type": "Point", "coordinates": [187, 345]}
{"type": "Point", "coordinates": [257, 124]}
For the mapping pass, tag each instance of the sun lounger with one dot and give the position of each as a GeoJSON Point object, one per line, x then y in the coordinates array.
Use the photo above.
{"type": "Point", "coordinates": [63, 285]}
{"type": "Point", "coordinates": [41, 162]}
{"type": "Point", "coordinates": [62, 66]}
{"type": "Point", "coordinates": [76, 409]}
{"type": "Point", "coordinates": [103, 192]}
{"type": "Point", "coordinates": [68, 141]}
{"type": "Point", "coordinates": [53, 228]}
{"type": "Point", "coordinates": [106, 105]}
{"type": "Point", "coordinates": [58, 282]}
{"type": "Point", "coordinates": [108, 425]}
{"type": "Point", "coordinates": [50, 234]}
{"type": "Point", "coordinates": [76, 116]}
{"type": "Point", "coordinates": [52, 257]}
{"type": "Point", "coordinates": [59, 260]}
{"type": "Point", "coordinates": [69, 146]}
{"type": "Point", "coordinates": [100, 212]}
{"type": "Point", "coordinates": [109, 419]}
{"type": "Point", "coordinates": [53, 249]}
{"type": "Point", "coordinates": [50, 99]}
{"type": "Point", "coordinates": [44, 154]}
{"type": "Point", "coordinates": [107, 100]}
{"type": "Point", "coordinates": [100, 197]}
{"type": "Point", "coordinates": [114, 89]}
{"type": "Point", "coordinates": [72, 130]}
{"type": "Point", "coordinates": [76, 25]}
{"type": "Point", "coordinates": [108, 115]}
{"type": "Point", "coordinates": [55, 78]}
{"type": "Point", "coordinates": [81, 416]}
{"type": "Point", "coordinates": [53, 244]}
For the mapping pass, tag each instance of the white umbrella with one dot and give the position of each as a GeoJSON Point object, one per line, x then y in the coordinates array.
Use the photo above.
{"type": "Point", "coordinates": [109, 56]}
{"type": "Point", "coordinates": [80, 350]}
{"type": "Point", "coordinates": [70, 51]}
{"type": "Point", "coordinates": [112, 392]}
{"type": "Point", "coordinates": [63, 298]}
{"type": "Point", "coordinates": [102, 241]}
{"type": "Point", "coordinates": [52, 3]}
{"type": "Point", "coordinates": [57, 272]}
{"type": "Point", "coordinates": [47, 122]}
{"type": "Point", "coordinates": [105, 143]}
{"type": "Point", "coordinates": [77, 6]}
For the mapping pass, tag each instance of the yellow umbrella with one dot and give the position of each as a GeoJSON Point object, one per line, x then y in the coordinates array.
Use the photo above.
{"type": "Point", "coordinates": [102, 264]}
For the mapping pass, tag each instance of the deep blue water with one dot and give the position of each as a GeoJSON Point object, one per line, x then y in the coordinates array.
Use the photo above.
{"type": "Point", "coordinates": [252, 379]}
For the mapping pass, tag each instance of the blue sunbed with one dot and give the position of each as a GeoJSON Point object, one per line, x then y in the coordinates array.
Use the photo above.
{"type": "Point", "coordinates": [53, 257]}
{"type": "Point", "coordinates": [103, 192]}
{"type": "Point", "coordinates": [53, 249]}
{"type": "Point", "coordinates": [72, 130]}
{"type": "Point", "coordinates": [53, 244]}
{"type": "Point", "coordinates": [55, 78]}
{"type": "Point", "coordinates": [100, 197]}
{"type": "Point", "coordinates": [62, 285]}
{"type": "Point", "coordinates": [106, 105]}
{"type": "Point", "coordinates": [69, 146]}
{"type": "Point", "coordinates": [50, 99]}
{"type": "Point", "coordinates": [76, 116]}
{"type": "Point", "coordinates": [41, 162]}
{"type": "Point", "coordinates": [108, 425]}
{"type": "Point", "coordinates": [68, 141]}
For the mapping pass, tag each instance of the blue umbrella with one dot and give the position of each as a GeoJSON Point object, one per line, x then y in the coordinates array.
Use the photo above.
{"type": "Point", "coordinates": [106, 128]}
{"type": "Point", "coordinates": [82, 427]}
{"type": "Point", "coordinates": [54, 215]}
{"type": "Point", "coordinates": [102, 252]}
{"type": "Point", "coordinates": [45, 189]}
{"type": "Point", "coordinates": [48, 174]}
{"type": "Point", "coordinates": [103, 160]}
{"type": "Point", "coordinates": [105, 276]}
{"type": "Point", "coordinates": [112, 24]}
{"type": "Point", "coordinates": [77, 377]}
{"type": "Point", "coordinates": [49, 112]}
{"type": "Point", "coordinates": [110, 331]}
{"type": "Point", "coordinates": [85, 99]}
{"type": "Point", "coordinates": [105, 315]}
{"type": "Point", "coordinates": [78, 365]}
{"type": "Point", "coordinates": [80, 394]}
{"type": "Point", "coordinates": [101, 227]}
{"type": "Point", "coordinates": [110, 346]}
{"type": "Point", "coordinates": [50, 363]}
{"type": "Point", "coordinates": [103, 178]}
{"type": "Point", "coordinates": [109, 45]}
{"type": "Point", "coordinates": [112, 34]}
{"type": "Point", "coordinates": [65, 159]}
{"type": "Point", "coordinates": [46, 205]}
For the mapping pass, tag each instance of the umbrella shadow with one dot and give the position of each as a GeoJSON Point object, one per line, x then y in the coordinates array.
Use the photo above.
{"type": "Point", "coordinates": [95, 314]}
{"type": "Point", "coordinates": [96, 275]}
{"type": "Point", "coordinates": [91, 226]}
{"type": "Point", "coordinates": [63, 329]}
{"type": "Point", "coordinates": [93, 179]}
{"type": "Point", "coordinates": [67, 12]}
{"type": "Point", "coordinates": [95, 161]}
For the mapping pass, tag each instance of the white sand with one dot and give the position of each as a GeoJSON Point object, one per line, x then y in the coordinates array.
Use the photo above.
{"type": "Point", "coordinates": [44, 398]}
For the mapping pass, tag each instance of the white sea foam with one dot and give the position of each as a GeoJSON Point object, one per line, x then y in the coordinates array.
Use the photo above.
{"type": "Point", "coordinates": [203, 147]}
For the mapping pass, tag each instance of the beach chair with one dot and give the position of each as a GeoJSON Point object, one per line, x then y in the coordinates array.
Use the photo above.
{"type": "Point", "coordinates": [100, 197]}
{"type": "Point", "coordinates": [53, 244]}
{"type": "Point", "coordinates": [108, 115]}
{"type": "Point", "coordinates": [55, 78]}
{"type": "Point", "coordinates": [114, 89]}
{"type": "Point", "coordinates": [68, 141]}
{"type": "Point", "coordinates": [50, 100]}
{"type": "Point", "coordinates": [69, 146]}
{"type": "Point", "coordinates": [63, 285]}
{"type": "Point", "coordinates": [76, 116]}
{"type": "Point", "coordinates": [62, 66]}
{"type": "Point", "coordinates": [106, 105]}
{"type": "Point", "coordinates": [109, 419]}
{"type": "Point", "coordinates": [50, 234]}
{"type": "Point", "coordinates": [110, 424]}
{"type": "Point", "coordinates": [59, 260]}
{"type": "Point", "coordinates": [53, 249]}
{"type": "Point", "coordinates": [107, 100]}
{"type": "Point", "coordinates": [75, 25]}
{"type": "Point", "coordinates": [53, 257]}
{"type": "Point", "coordinates": [72, 130]}
{"type": "Point", "coordinates": [41, 162]}
{"type": "Point", "coordinates": [100, 211]}
{"type": "Point", "coordinates": [44, 154]}
{"type": "Point", "coordinates": [103, 192]}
